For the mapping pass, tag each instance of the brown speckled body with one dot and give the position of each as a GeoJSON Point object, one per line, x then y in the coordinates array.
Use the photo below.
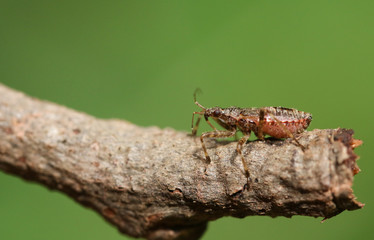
{"type": "Point", "coordinates": [248, 119]}
{"type": "Point", "coordinates": [278, 122]}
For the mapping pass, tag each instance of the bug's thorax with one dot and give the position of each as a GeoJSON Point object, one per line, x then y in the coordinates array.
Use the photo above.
{"type": "Point", "coordinates": [225, 117]}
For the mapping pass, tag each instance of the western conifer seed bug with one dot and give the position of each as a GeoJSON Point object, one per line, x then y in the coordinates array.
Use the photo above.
{"type": "Point", "coordinates": [277, 122]}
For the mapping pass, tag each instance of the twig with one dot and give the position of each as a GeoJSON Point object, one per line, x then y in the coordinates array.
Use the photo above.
{"type": "Point", "coordinates": [154, 183]}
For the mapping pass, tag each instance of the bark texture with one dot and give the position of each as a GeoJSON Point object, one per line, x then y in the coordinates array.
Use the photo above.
{"type": "Point", "coordinates": [154, 183]}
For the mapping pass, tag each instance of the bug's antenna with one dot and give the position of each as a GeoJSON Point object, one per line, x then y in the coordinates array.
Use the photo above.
{"type": "Point", "coordinates": [198, 90]}
{"type": "Point", "coordinates": [194, 128]}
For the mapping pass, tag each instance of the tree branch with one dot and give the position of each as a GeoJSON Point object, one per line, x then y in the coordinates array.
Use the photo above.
{"type": "Point", "coordinates": [155, 183]}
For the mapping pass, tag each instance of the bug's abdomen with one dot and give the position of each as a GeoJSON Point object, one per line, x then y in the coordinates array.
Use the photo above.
{"type": "Point", "coordinates": [294, 126]}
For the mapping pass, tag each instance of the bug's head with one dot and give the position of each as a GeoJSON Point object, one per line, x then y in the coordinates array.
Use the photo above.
{"type": "Point", "coordinates": [215, 112]}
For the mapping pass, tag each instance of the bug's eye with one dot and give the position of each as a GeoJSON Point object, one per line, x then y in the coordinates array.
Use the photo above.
{"type": "Point", "coordinates": [217, 113]}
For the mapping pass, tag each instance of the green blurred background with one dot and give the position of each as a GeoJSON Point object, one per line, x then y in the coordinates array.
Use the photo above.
{"type": "Point", "coordinates": [142, 60]}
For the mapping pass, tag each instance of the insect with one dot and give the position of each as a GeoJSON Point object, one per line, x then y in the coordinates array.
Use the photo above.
{"type": "Point", "coordinates": [277, 122]}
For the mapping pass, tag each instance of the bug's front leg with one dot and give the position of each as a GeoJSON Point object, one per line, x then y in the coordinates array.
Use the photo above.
{"type": "Point", "coordinates": [214, 134]}
{"type": "Point", "coordinates": [194, 127]}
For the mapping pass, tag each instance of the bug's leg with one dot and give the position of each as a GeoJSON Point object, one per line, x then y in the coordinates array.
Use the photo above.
{"type": "Point", "coordinates": [214, 134]}
{"type": "Point", "coordinates": [290, 135]}
{"type": "Point", "coordinates": [236, 136]}
{"type": "Point", "coordinates": [259, 132]}
{"type": "Point", "coordinates": [239, 147]}
{"type": "Point", "coordinates": [194, 128]}
{"type": "Point", "coordinates": [214, 128]}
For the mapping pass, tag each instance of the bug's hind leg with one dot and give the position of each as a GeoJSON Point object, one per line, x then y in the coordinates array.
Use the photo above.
{"type": "Point", "coordinates": [259, 133]}
{"type": "Point", "coordinates": [290, 135]}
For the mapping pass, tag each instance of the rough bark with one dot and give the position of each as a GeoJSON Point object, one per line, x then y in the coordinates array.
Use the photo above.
{"type": "Point", "coordinates": [154, 183]}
